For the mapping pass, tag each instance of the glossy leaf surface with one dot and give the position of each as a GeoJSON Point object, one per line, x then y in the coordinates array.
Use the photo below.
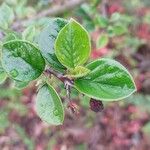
{"type": "Point", "coordinates": [22, 60]}
{"type": "Point", "coordinates": [72, 46]}
{"type": "Point", "coordinates": [108, 81]}
{"type": "Point", "coordinates": [47, 39]}
{"type": "Point", "coordinates": [49, 106]}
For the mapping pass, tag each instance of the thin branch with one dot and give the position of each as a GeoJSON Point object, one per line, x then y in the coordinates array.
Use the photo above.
{"type": "Point", "coordinates": [54, 11]}
{"type": "Point", "coordinates": [68, 83]}
{"type": "Point", "coordinates": [61, 77]}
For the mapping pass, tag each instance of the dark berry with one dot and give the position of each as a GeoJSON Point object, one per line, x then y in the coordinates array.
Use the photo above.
{"type": "Point", "coordinates": [96, 105]}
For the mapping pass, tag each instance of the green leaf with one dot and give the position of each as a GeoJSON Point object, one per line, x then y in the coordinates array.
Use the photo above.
{"type": "Point", "coordinates": [107, 81]}
{"type": "Point", "coordinates": [119, 29]}
{"type": "Point", "coordinates": [47, 39]}
{"type": "Point", "coordinates": [78, 72]}
{"type": "Point", "coordinates": [49, 106]}
{"type": "Point", "coordinates": [6, 16]}
{"type": "Point", "coordinates": [102, 41]}
{"type": "Point", "coordinates": [3, 75]}
{"type": "Point", "coordinates": [72, 46]}
{"type": "Point", "coordinates": [101, 21]}
{"type": "Point", "coordinates": [22, 60]}
{"type": "Point", "coordinates": [29, 33]}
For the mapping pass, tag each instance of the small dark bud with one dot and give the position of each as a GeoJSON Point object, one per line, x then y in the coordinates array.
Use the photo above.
{"type": "Point", "coordinates": [96, 105]}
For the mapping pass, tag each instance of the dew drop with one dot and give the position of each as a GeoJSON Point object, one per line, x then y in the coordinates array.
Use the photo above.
{"type": "Point", "coordinates": [55, 112]}
{"type": "Point", "coordinates": [14, 73]}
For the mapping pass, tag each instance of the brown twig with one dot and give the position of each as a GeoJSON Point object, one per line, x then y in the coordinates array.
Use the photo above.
{"type": "Point", "coordinates": [61, 77]}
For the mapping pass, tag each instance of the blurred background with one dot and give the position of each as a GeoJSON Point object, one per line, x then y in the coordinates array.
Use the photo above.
{"type": "Point", "coordinates": [119, 29]}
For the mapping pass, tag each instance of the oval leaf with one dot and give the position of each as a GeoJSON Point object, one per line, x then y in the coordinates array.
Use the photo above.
{"type": "Point", "coordinates": [49, 106]}
{"type": "Point", "coordinates": [47, 39]}
{"type": "Point", "coordinates": [72, 46]}
{"type": "Point", "coordinates": [22, 60]}
{"type": "Point", "coordinates": [108, 81]}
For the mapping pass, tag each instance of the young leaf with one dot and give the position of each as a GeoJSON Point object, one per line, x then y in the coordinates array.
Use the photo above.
{"type": "Point", "coordinates": [22, 60]}
{"type": "Point", "coordinates": [107, 81]}
{"type": "Point", "coordinates": [3, 75]}
{"type": "Point", "coordinates": [47, 39]}
{"type": "Point", "coordinates": [72, 46]}
{"type": "Point", "coordinates": [78, 72]}
{"type": "Point", "coordinates": [49, 106]}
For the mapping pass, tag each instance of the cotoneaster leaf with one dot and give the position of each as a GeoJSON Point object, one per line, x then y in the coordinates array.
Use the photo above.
{"type": "Point", "coordinates": [72, 46]}
{"type": "Point", "coordinates": [22, 60]}
{"type": "Point", "coordinates": [108, 81]}
{"type": "Point", "coordinates": [47, 39]}
{"type": "Point", "coordinates": [49, 106]}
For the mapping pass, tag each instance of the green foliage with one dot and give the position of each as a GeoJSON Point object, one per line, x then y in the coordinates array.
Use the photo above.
{"type": "Point", "coordinates": [65, 45]}
{"type": "Point", "coordinates": [72, 46]}
{"type": "Point", "coordinates": [47, 39]}
{"type": "Point", "coordinates": [22, 60]}
{"type": "Point", "coordinates": [101, 21]}
{"type": "Point", "coordinates": [108, 81]}
{"type": "Point", "coordinates": [49, 106]}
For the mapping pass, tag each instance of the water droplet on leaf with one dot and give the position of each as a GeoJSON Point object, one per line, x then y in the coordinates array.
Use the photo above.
{"type": "Point", "coordinates": [14, 73]}
{"type": "Point", "coordinates": [56, 113]}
